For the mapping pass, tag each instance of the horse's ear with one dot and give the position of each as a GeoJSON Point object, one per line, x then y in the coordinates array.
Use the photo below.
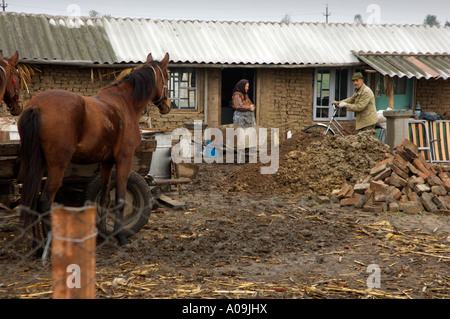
{"type": "Point", "coordinates": [165, 60]}
{"type": "Point", "coordinates": [149, 58]}
{"type": "Point", "coordinates": [14, 59]}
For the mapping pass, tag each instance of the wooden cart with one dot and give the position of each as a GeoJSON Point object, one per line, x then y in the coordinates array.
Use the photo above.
{"type": "Point", "coordinates": [81, 183]}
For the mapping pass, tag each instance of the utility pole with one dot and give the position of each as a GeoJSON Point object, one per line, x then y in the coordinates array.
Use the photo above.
{"type": "Point", "coordinates": [327, 14]}
{"type": "Point", "coordinates": [4, 5]}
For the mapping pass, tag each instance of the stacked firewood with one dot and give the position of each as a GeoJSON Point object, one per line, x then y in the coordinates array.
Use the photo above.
{"type": "Point", "coordinates": [403, 181]}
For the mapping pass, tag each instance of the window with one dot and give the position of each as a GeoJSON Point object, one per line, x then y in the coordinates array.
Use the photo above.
{"type": "Point", "coordinates": [183, 88]}
{"type": "Point", "coordinates": [399, 85]}
{"type": "Point", "coordinates": [330, 85]}
{"type": "Point", "coordinates": [322, 94]}
{"type": "Point", "coordinates": [341, 90]}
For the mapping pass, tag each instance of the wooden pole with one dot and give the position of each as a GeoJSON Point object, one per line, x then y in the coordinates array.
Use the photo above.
{"type": "Point", "coordinates": [73, 252]}
{"type": "Point", "coordinates": [389, 90]}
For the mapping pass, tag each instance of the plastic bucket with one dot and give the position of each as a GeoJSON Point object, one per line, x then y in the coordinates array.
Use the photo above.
{"type": "Point", "coordinates": [210, 151]}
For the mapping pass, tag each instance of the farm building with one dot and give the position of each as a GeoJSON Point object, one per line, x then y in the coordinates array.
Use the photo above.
{"type": "Point", "coordinates": [334, 209]}
{"type": "Point", "coordinates": [295, 70]}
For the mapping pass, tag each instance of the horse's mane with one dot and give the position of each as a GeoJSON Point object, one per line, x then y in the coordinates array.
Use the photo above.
{"type": "Point", "coordinates": [143, 81]}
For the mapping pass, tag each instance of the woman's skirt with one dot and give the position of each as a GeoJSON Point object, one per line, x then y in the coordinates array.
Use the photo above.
{"type": "Point", "coordinates": [244, 119]}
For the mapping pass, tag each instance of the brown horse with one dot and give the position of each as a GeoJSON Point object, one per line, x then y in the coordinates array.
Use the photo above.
{"type": "Point", "coordinates": [10, 83]}
{"type": "Point", "coordinates": [58, 127]}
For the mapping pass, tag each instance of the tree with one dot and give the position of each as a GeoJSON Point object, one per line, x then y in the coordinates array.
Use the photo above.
{"type": "Point", "coordinates": [431, 20]}
{"type": "Point", "coordinates": [358, 19]}
{"type": "Point", "coordinates": [286, 19]}
{"type": "Point", "coordinates": [447, 23]}
{"type": "Point", "coordinates": [94, 13]}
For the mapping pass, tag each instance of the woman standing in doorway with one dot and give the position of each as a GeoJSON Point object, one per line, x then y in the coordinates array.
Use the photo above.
{"type": "Point", "coordinates": [244, 109]}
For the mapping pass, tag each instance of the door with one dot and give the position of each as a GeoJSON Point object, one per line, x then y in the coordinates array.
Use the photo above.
{"type": "Point", "coordinates": [403, 89]}
{"type": "Point", "coordinates": [230, 76]}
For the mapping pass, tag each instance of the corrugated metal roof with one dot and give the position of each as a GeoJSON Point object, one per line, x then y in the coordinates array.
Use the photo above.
{"type": "Point", "coordinates": [268, 43]}
{"type": "Point", "coordinates": [116, 40]}
{"type": "Point", "coordinates": [42, 38]}
{"type": "Point", "coordinates": [401, 65]}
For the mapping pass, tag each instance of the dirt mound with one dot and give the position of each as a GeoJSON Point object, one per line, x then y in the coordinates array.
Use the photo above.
{"type": "Point", "coordinates": [249, 177]}
{"type": "Point", "coordinates": [313, 165]}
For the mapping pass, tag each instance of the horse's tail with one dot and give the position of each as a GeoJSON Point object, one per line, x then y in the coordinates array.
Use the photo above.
{"type": "Point", "coordinates": [32, 164]}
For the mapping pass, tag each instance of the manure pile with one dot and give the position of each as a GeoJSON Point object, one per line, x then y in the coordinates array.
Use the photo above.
{"type": "Point", "coordinates": [313, 165]}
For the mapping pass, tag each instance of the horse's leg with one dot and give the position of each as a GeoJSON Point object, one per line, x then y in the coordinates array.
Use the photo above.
{"type": "Point", "coordinates": [105, 198]}
{"type": "Point", "coordinates": [37, 242]}
{"type": "Point", "coordinates": [43, 226]}
{"type": "Point", "coordinates": [54, 181]}
{"type": "Point", "coordinates": [122, 172]}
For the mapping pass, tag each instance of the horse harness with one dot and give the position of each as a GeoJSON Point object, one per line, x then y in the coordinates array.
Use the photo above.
{"type": "Point", "coordinates": [165, 88]}
{"type": "Point", "coordinates": [16, 92]}
{"type": "Point", "coordinates": [6, 76]}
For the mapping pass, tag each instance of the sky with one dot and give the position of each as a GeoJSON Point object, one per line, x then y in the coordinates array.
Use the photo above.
{"type": "Point", "coordinates": [340, 11]}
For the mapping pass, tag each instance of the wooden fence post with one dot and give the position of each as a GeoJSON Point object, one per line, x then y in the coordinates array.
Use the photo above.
{"type": "Point", "coordinates": [389, 90]}
{"type": "Point", "coordinates": [73, 252]}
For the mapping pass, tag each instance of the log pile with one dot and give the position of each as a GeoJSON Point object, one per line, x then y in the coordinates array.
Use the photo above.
{"type": "Point", "coordinates": [403, 181]}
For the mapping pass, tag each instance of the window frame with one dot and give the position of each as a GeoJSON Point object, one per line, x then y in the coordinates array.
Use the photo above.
{"type": "Point", "coordinates": [189, 88]}
{"type": "Point", "coordinates": [400, 85]}
{"type": "Point", "coordinates": [350, 116]}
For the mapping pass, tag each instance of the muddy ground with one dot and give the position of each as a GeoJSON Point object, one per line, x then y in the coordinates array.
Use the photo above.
{"type": "Point", "coordinates": [244, 235]}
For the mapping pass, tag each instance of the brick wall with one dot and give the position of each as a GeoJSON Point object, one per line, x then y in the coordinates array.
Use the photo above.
{"type": "Point", "coordinates": [88, 81]}
{"type": "Point", "coordinates": [434, 95]}
{"type": "Point", "coordinates": [59, 77]}
{"type": "Point", "coordinates": [74, 79]}
{"type": "Point", "coordinates": [284, 95]}
{"type": "Point", "coordinates": [177, 118]}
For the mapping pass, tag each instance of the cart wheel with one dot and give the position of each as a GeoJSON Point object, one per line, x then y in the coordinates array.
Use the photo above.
{"type": "Point", "coordinates": [139, 202]}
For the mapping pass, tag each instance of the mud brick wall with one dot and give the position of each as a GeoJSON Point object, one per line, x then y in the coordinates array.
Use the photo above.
{"type": "Point", "coordinates": [172, 120]}
{"type": "Point", "coordinates": [434, 95]}
{"type": "Point", "coordinates": [177, 118]}
{"type": "Point", "coordinates": [88, 81]}
{"type": "Point", "coordinates": [74, 79]}
{"type": "Point", "coordinates": [284, 95]}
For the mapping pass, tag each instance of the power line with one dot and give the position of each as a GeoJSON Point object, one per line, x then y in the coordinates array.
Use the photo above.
{"type": "Point", "coordinates": [327, 14]}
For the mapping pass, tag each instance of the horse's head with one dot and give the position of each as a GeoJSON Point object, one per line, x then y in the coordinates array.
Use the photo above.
{"type": "Point", "coordinates": [10, 82]}
{"type": "Point", "coordinates": [161, 100]}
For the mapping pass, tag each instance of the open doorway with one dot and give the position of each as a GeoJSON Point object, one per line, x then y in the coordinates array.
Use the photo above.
{"type": "Point", "coordinates": [230, 76]}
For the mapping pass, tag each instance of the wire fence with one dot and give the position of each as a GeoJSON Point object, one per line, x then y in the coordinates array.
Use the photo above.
{"type": "Point", "coordinates": [60, 244]}
{"type": "Point", "coordinates": [265, 247]}
{"type": "Point", "coordinates": [70, 259]}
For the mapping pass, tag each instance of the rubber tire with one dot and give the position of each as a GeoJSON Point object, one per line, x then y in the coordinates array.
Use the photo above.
{"type": "Point", "coordinates": [139, 196]}
{"type": "Point", "coordinates": [318, 129]}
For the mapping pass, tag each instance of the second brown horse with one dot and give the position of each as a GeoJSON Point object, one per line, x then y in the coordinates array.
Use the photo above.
{"type": "Point", "coordinates": [58, 127]}
{"type": "Point", "coordinates": [10, 83]}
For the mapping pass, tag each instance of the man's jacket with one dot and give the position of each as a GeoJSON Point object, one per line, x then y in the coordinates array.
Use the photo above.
{"type": "Point", "coordinates": [363, 104]}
